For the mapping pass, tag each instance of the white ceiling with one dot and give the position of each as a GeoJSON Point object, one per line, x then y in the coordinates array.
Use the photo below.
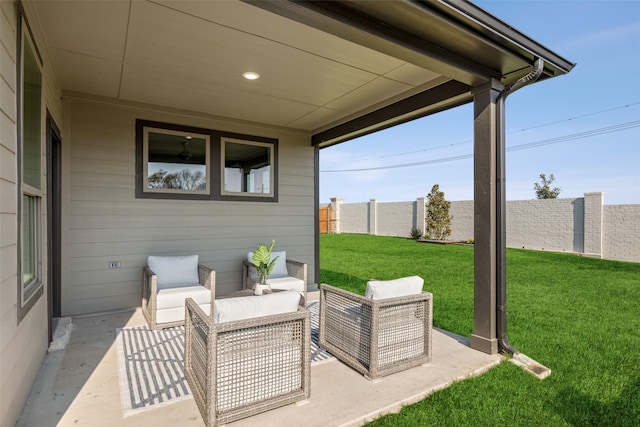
{"type": "Point", "coordinates": [191, 55]}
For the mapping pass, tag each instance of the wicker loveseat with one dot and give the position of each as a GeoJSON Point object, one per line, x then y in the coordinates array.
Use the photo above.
{"type": "Point", "coordinates": [377, 336]}
{"type": "Point", "coordinates": [239, 366]}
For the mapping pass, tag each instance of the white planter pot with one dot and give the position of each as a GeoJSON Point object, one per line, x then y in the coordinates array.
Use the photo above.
{"type": "Point", "coordinates": [260, 289]}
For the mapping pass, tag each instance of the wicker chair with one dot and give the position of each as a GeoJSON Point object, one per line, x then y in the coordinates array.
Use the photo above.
{"type": "Point", "coordinates": [240, 368]}
{"type": "Point", "coordinates": [169, 311]}
{"type": "Point", "coordinates": [376, 337]}
{"type": "Point", "coordinates": [295, 269]}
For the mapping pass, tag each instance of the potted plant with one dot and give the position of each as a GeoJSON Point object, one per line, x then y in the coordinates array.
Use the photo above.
{"type": "Point", "coordinates": [261, 259]}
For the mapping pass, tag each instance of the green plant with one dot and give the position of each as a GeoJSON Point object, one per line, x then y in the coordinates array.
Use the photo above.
{"type": "Point", "coordinates": [438, 220]}
{"type": "Point", "coordinates": [416, 233]}
{"type": "Point", "coordinates": [262, 261]}
{"type": "Point", "coordinates": [559, 313]}
{"type": "Point", "coordinates": [544, 191]}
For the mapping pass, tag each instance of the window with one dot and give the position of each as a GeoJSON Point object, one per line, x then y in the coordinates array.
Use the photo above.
{"type": "Point", "coordinates": [30, 158]}
{"type": "Point", "coordinates": [247, 168]}
{"type": "Point", "coordinates": [181, 162]}
{"type": "Point", "coordinates": [176, 162]}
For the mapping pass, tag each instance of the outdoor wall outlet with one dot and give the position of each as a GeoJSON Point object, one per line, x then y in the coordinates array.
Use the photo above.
{"type": "Point", "coordinates": [115, 264]}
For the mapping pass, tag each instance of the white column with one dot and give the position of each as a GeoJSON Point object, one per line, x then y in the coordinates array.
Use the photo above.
{"type": "Point", "coordinates": [334, 225]}
{"type": "Point", "coordinates": [373, 221]}
{"type": "Point", "coordinates": [593, 221]}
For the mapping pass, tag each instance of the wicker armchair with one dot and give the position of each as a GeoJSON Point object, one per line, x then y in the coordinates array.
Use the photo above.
{"type": "Point", "coordinates": [296, 270]}
{"type": "Point", "coordinates": [163, 304]}
{"type": "Point", "coordinates": [240, 368]}
{"type": "Point", "coordinates": [376, 337]}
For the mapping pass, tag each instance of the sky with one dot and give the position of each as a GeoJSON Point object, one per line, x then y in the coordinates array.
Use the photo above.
{"type": "Point", "coordinates": [583, 127]}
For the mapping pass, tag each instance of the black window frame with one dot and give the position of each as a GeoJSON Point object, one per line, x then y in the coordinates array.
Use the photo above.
{"type": "Point", "coordinates": [216, 169]}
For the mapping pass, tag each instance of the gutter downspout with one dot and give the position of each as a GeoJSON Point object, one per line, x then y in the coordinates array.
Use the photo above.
{"type": "Point", "coordinates": [501, 297]}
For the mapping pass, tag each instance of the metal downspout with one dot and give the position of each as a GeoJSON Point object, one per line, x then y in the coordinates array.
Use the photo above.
{"type": "Point", "coordinates": [501, 297]}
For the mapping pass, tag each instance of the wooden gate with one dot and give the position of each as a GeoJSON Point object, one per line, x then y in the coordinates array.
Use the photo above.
{"type": "Point", "coordinates": [325, 220]}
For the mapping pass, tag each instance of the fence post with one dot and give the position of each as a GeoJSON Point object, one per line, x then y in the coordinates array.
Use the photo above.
{"type": "Point", "coordinates": [373, 221]}
{"type": "Point", "coordinates": [334, 224]}
{"type": "Point", "coordinates": [593, 220]}
{"type": "Point", "coordinates": [421, 214]}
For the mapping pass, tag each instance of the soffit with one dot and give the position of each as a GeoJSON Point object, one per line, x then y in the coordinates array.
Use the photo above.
{"type": "Point", "coordinates": [191, 55]}
{"type": "Point", "coordinates": [322, 64]}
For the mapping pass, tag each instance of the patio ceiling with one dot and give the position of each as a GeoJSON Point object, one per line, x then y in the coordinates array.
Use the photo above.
{"type": "Point", "coordinates": [324, 66]}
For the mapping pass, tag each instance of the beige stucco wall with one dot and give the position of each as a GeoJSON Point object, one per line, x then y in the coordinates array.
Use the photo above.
{"type": "Point", "coordinates": [22, 345]}
{"type": "Point", "coordinates": [622, 232]}
{"type": "Point", "coordinates": [582, 225]}
{"type": "Point", "coordinates": [107, 223]}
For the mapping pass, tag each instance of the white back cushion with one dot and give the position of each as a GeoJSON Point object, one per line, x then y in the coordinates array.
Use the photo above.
{"type": "Point", "coordinates": [280, 267]}
{"type": "Point", "coordinates": [230, 309]}
{"type": "Point", "coordinates": [175, 270]}
{"type": "Point", "coordinates": [380, 289]}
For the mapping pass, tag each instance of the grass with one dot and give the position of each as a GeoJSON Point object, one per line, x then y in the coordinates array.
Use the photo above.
{"type": "Point", "coordinates": [578, 316]}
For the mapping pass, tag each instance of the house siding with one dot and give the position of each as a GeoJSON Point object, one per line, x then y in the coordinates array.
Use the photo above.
{"type": "Point", "coordinates": [107, 223]}
{"type": "Point", "coordinates": [22, 344]}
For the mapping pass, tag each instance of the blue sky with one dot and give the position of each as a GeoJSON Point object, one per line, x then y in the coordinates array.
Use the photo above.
{"type": "Point", "coordinates": [583, 127]}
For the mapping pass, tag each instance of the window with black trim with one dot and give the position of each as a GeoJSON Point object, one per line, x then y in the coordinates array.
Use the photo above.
{"type": "Point", "coordinates": [30, 285]}
{"type": "Point", "coordinates": [182, 162]}
{"type": "Point", "coordinates": [247, 167]}
{"type": "Point", "coordinates": [176, 161]}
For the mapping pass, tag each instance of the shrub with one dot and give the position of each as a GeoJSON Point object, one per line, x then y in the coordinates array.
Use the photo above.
{"type": "Point", "coordinates": [438, 220]}
{"type": "Point", "coordinates": [416, 233]}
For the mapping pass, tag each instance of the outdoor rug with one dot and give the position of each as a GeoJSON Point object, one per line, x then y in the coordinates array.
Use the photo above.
{"type": "Point", "coordinates": [150, 364]}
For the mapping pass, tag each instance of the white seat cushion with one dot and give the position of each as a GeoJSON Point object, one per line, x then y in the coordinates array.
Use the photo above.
{"type": "Point", "coordinates": [249, 307]}
{"type": "Point", "coordinates": [381, 289]}
{"type": "Point", "coordinates": [286, 283]}
{"type": "Point", "coordinates": [177, 314]}
{"type": "Point", "coordinates": [174, 296]}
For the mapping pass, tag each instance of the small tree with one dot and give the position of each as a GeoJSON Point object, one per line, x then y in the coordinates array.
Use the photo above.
{"type": "Point", "coordinates": [544, 191]}
{"type": "Point", "coordinates": [438, 220]}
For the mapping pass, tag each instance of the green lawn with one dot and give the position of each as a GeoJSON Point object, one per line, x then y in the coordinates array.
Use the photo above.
{"type": "Point", "coordinates": [578, 316]}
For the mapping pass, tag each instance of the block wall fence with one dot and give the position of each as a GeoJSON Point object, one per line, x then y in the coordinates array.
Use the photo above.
{"type": "Point", "coordinates": [582, 225]}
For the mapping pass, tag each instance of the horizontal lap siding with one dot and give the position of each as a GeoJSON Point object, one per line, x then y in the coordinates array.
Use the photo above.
{"type": "Point", "coordinates": [107, 223]}
{"type": "Point", "coordinates": [12, 345]}
{"type": "Point", "coordinates": [24, 344]}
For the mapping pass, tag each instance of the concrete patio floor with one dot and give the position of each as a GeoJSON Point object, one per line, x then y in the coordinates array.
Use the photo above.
{"type": "Point", "coordinates": [78, 386]}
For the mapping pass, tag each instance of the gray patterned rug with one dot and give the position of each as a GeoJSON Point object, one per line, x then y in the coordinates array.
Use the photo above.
{"type": "Point", "coordinates": [150, 364]}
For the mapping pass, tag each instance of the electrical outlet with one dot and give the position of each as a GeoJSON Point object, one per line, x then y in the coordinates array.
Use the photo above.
{"type": "Point", "coordinates": [115, 264]}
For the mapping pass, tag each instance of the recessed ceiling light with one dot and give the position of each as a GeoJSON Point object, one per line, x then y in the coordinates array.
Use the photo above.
{"type": "Point", "coordinates": [250, 75]}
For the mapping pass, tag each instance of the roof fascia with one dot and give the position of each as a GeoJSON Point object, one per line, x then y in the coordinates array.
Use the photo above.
{"type": "Point", "coordinates": [501, 32]}
{"type": "Point", "coordinates": [442, 97]}
{"type": "Point", "coordinates": [346, 20]}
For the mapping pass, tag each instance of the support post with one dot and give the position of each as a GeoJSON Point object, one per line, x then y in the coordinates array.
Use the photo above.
{"type": "Point", "coordinates": [486, 227]}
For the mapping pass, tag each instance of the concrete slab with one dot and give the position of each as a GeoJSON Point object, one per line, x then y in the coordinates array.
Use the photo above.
{"type": "Point", "coordinates": [78, 386]}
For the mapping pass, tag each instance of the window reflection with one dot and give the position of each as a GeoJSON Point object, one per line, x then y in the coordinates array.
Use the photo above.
{"type": "Point", "coordinates": [247, 167]}
{"type": "Point", "coordinates": [176, 161]}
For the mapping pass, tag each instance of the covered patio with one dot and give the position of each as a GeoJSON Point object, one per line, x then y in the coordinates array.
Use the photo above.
{"type": "Point", "coordinates": [78, 386]}
{"type": "Point", "coordinates": [87, 86]}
